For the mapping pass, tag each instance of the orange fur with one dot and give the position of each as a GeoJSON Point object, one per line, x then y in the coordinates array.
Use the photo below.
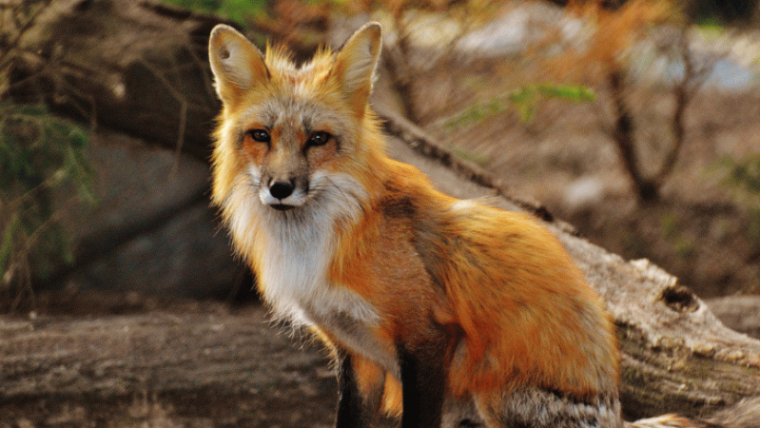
{"type": "Point", "coordinates": [514, 311]}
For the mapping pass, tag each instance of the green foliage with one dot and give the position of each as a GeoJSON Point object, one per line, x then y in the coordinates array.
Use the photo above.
{"type": "Point", "coordinates": [743, 176]}
{"type": "Point", "coordinates": [38, 153]}
{"type": "Point", "coordinates": [477, 158]}
{"type": "Point", "coordinates": [234, 10]}
{"type": "Point", "coordinates": [672, 228]}
{"type": "Point", "coordinates": [525, 100]}
{"type": "Point", "coordinates": [743, 179]}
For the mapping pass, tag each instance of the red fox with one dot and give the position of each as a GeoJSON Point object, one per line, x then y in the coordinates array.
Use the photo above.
{"type": "Point", "coordinates": [427, 301]}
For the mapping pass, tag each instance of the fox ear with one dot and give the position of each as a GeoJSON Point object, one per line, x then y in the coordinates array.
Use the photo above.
{"type": "Point", "coordinates": [355, 65]}
{"type": "Point", "coordinates": [236, 63]}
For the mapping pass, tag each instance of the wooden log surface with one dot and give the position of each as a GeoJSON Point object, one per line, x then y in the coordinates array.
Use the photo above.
{"type": "Point", "coordinates": [186, 364]}
{"type": "Point", "coordinates": [140, 69]}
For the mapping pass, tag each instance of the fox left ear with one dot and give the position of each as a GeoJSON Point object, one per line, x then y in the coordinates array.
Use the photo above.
{"type": "Point", "coordinates": [355, 65]}
{"type": "Point", "coordinates": [237, 64]}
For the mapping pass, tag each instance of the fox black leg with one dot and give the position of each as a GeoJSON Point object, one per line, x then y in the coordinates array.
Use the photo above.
{"type": "Point", "coordinates": [423, 379]}
{"type": "Point", "coordinates": [350, 408]}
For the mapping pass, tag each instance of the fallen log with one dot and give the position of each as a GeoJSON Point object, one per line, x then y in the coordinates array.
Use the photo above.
{"type": "Point", "coordinates": [185, 364]}
{"type": "Point", "coordinates": [141, 69]}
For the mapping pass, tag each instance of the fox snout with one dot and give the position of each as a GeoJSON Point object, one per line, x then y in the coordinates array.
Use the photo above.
{"type": "Point", "coordinates": [284, 193]}
{"type": "Point", "coordinates": [281, 189]}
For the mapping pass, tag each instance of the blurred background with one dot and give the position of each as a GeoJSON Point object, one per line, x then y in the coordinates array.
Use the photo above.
{"type": "Point", "coordinates": [636, 121]}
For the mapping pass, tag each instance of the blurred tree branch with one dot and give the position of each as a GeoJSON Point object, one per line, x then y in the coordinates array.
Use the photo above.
{"type": "Point", "coordinates": [647, 185]}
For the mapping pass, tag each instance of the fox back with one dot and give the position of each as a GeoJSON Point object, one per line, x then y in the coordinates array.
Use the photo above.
{"type": "Point", "coordinates": [426, 300]}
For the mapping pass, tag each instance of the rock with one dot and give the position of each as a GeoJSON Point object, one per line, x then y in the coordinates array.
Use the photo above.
{"type": "Point", "coordinates": [135, 185]}
{"type": "Point", "coordinates": [152, 230]}
{"type": "Point", "coordinates": [583, 193]}
{"type": "Point", "coordinates": [740, 313]}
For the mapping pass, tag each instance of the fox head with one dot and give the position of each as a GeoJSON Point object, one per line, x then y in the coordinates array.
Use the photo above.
{"type": "Point", "coordinates": [288, 133]}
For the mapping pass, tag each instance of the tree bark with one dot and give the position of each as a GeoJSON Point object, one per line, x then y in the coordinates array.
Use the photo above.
{"type": "Point", "coordinates": [142, 69]}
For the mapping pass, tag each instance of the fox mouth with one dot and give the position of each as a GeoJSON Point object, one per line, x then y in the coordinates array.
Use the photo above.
{"type": "Point", "coordinates": [282, 207]}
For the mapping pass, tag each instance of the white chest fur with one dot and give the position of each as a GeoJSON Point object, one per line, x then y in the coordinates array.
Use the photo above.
{"type": "Point", "coordinates": [294, 274]}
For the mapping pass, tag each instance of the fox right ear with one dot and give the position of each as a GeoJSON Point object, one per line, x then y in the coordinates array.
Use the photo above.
{"type": "Point", "coordinates": [355, 65]}
{"type": "Point", "coordinates": [236, 63]}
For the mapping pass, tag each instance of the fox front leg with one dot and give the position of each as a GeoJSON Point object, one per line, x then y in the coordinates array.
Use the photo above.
{"type": "Point", "coordinates": [423, 379]}
{"type": "Point", "coordinates": [350, 408]}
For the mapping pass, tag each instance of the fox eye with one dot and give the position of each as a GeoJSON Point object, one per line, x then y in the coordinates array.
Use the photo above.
{"type": "Point", "coordinates": [319, 138]}
{"type": "Point", "coordinates": [260, 135]}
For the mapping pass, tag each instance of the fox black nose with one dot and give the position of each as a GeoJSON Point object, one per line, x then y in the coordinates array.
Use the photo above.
{"type": "Point", "coordinates": [281, 189]}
